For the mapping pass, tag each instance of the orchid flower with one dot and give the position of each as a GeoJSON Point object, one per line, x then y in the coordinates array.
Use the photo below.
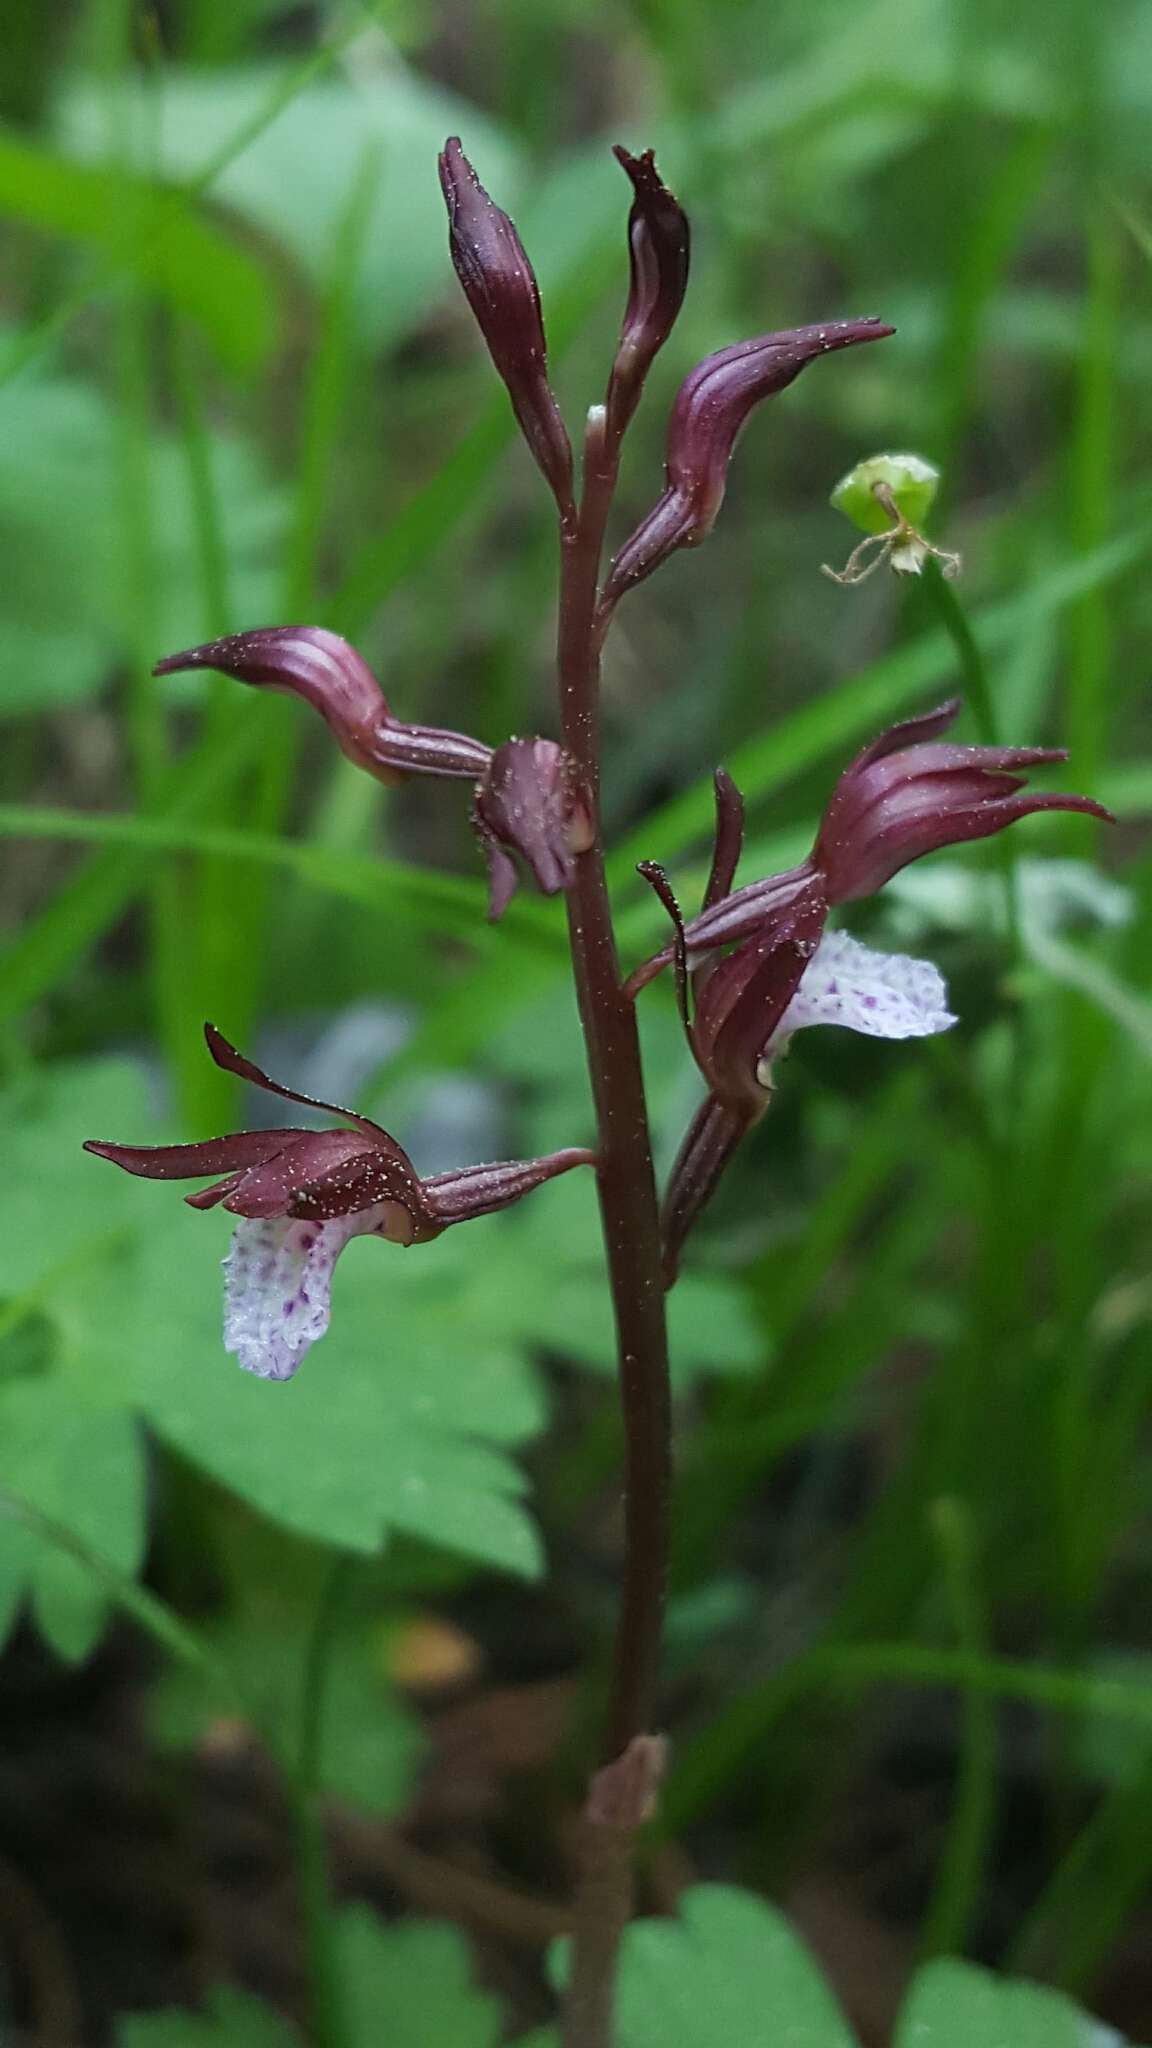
{"type": "Point", "coordinates": [905, 795]}
{"type": "Point", "coordinates": [302, 1195]}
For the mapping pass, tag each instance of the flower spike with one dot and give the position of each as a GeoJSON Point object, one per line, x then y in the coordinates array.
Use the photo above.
{"type": "Point", "coordinates": [499, 284]}
{"type": "Point", "coordinates": [712, 406]}
{"type": "Point", "coordinates": [302, 1195]}
{"type": "Point", "coordinates": [659, 248]}
{"type": "Point", "coordinates": [311, 662]}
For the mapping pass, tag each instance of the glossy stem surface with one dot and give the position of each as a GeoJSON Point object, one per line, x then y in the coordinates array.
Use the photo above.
{"type": "Point", "coordinates": [631, 1224]}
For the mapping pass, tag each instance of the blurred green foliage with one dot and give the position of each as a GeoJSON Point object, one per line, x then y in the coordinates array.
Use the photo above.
{"type": "Point", "coordinates": [237, 386]}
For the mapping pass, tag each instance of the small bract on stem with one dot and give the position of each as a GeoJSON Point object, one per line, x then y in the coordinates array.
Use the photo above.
{"type": "Point", "coordinates": [753, 966]}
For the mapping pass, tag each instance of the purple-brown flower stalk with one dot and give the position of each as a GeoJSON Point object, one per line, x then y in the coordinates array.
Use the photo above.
{"type": "Point", "coordinates": [753, 966]}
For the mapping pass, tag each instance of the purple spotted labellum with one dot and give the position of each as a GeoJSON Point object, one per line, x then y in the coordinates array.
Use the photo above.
{"type": "Point", "coordinates": [529, 800]}
{"type": "Point", "coordinates": [311, 662]}
{"type": "Point", "coordinates": [302, 1195]}
{"type": "Point", "coordinates": [499, 284]}
{"type": "Point", "coordinates": [658, 247]}
{"type": "Point", "coordinates": [711, 407]}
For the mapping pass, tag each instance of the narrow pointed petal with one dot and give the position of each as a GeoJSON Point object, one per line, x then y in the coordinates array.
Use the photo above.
{"type": "Point", "coordinates": [882, 995]}
{"type": "Point", "coordinates": [278, 1288]}
{"type": "Point", "coordinates": [226, 1055]}
{"type": "Point", "coordinates": [728, 841]}
{"type": "Point", "coordinates": [183, 1162]}
{"type": "Point", "coordinates": [659, 249]}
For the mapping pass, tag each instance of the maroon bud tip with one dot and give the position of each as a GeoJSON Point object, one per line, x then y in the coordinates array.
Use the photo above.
{"type": "Point", "coordinates": [500, 286]}
{"type": "Point", "coordinates": [659, 248]}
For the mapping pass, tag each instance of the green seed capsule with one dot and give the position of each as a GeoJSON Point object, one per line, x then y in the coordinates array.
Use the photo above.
{"type": "Point", "coordinates": [911, 481]}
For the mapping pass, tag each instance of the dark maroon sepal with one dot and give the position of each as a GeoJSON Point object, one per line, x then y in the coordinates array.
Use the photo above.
{"type": "Point", "coordinates": [230, 1154]}
{"type": "Point", "coordinates": [910, 793]}
{"type": "Point", "coordinates": [481, 1190]}
{"type": "Point", "coordinates": [728, 840]}
{"type": "Point", "coordinates": [226, 1056]}
{"type": "Point", "coordinates": [741, 999]}
{"type": "Point", "coordinates": [499, 284]}
{"type": "Point", "coordinates": [316, 1176]}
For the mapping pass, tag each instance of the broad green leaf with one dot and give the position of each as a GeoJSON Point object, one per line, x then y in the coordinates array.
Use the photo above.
{"type": "Point", "coordinates": [62, 1216]}
{"type": "Point", "coordinates": [411, 1985]}
{"type": "Point", "coordinates": [397, 1422]}
{"type": "Point", "coordinates": [230, 2020]}
{"type": "Point", "coordinates": [729, 1970]}
{"type": "Point", "coordinates": [294, 178]}
{"type": "Point", "coordinates": [84, 1467]}
{"type": "Point", "coordinates": [956, 2005]}
{"type": "Point", "coordinates": [194, 263]}
{"type": "Point", "coordinates": [64, 604]}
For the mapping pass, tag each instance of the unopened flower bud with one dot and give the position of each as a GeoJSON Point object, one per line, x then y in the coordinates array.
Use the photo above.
{"type": "Point", "coordinates": [530, 801]}
{"type": "Point", "coordinates": [711, 408]}
{"type": "Point", "coordinates": [658, 246]}
{"type": "Point", "coordinates": [311, 662]}
{"type": "Point", "coordinates": [499, 284]}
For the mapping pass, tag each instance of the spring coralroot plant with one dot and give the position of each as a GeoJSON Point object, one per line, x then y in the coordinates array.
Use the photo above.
{"type": "Point", "coordinates": [753, 966]}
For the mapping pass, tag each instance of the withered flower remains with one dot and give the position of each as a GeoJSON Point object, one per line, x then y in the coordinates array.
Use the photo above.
{"type": "Point", "coordinates": [530, 801]}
